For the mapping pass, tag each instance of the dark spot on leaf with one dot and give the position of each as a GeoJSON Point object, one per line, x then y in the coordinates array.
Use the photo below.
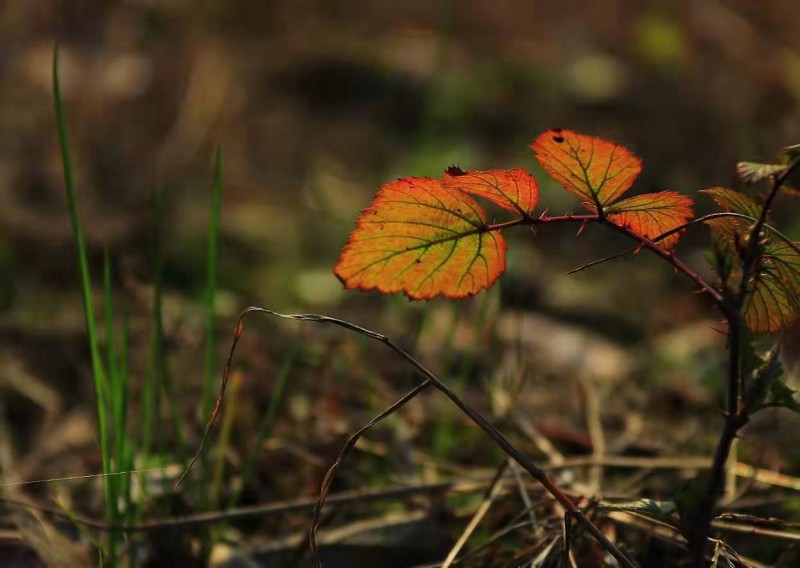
{"type": "Point", "coordinates": [418, 261]}
{"type": "Point", "coordinates": [454, 171]}
{"type": "Point", "coordinates": [558, 139]}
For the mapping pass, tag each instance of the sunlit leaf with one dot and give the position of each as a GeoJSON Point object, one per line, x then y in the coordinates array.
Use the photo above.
{"type": "Point", "coordinates": [733, 201]}
{"type": "Point", "coordinates": [775, 300]}
{"type": "Point", "coordinates": [653, 214]}
{"type": "Point", "coordinates": [728, 229]}
{"type": "Point", "coordinates": [786, 263]}
{"type": "Point", "coordinates": [515, 190]}
{"type": "Point", "coordinates": [768, 308]}
{"type": "Point", "coordinates": [424, 239]}
{"type": "Point", "coordinates": [594, 169]}
{"type": "Point", "coordinates": [755, 172]}
{"type": "Point", "coordinates": [789, 154]}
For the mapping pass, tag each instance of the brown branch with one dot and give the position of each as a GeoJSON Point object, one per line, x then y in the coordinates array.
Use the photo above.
{"type": "Point", "coordinates": [736, 413]}
{"type": "Point", "coordinates": [685, 226]}
{"type": "Point", "coordinates": [674, 261]}
{"type": "Point", "coordinates": [643, 242]}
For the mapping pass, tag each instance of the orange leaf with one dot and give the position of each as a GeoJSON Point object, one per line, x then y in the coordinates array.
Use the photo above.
{"type": "Point", "coordinates": [653, 214]}
{"type": "Point", "coordinates": [768, 308]}
{"type": "Point", "coordinates": [424, 239]}
{"type": "Point", "coordinates": [591, 168]}
{"type": "Point", "coordinates": [515, 190]}
{"type": "Point", "coordinates": [774, 300]}
{"type": "Point", "coordinates": [727, 229]}
{"type": "Point", "coordinates": [732, 200]}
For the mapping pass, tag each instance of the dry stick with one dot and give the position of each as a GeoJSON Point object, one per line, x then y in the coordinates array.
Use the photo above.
{"type": "Point", "coordinates": [597, 436]}
{"type": "Point", "coordinates": [543, 444]}
{"type": "Point", "coordinates": [289, 506]}
{"type": "Point", "coordinates": [473, 415]}
{"type": "Point", "coordinates": [490, 542]}
{"type": "Point", "coordinates": [469, 484]}
{"type": "Point", "coordinates": [495, 488]}
{"type": "Point", "coordinates": [237, 333]}
{"type": "Point", "coordinates": [736, 413]}
{"type": "Point", "coordinates": [523, 493]}
{"type": "Point", "coordinates": [325, 486]}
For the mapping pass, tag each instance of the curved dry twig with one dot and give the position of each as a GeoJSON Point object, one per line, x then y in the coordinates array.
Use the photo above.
{"type": "Point", "coordinates": [325, 486]}
{"type": "Point", "coordinates": [493, 433]}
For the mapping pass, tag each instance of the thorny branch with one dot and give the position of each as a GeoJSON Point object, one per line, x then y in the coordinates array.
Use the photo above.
{"type": "Point", "coordinates": [643, 242]}
{"type": "Point", "coordinates": [737, 414]}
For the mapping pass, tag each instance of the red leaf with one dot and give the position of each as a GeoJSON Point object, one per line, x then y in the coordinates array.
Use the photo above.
{"type": "Point", "coordinates": [423, 239]}
{"type": "Point", "coordinates": [594, 169]}
{"type": "Point", "coordinates": [653, 214]}
{"type": "Point", "coordinates": [515, 190]}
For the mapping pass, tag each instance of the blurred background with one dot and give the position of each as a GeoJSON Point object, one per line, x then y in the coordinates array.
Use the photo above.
{"type": "Point", "coordinates": [316, 103]}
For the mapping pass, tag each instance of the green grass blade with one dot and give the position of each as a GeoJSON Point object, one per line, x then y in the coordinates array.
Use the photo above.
{"type": "Point", "coordinates": [124, 448]}
{"type": "Point", "coordinates": [112, 368]}
{"type": "Point", "coordinates": [211, 286]}
{"type": "Point", "coordinates": [86, 287]}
